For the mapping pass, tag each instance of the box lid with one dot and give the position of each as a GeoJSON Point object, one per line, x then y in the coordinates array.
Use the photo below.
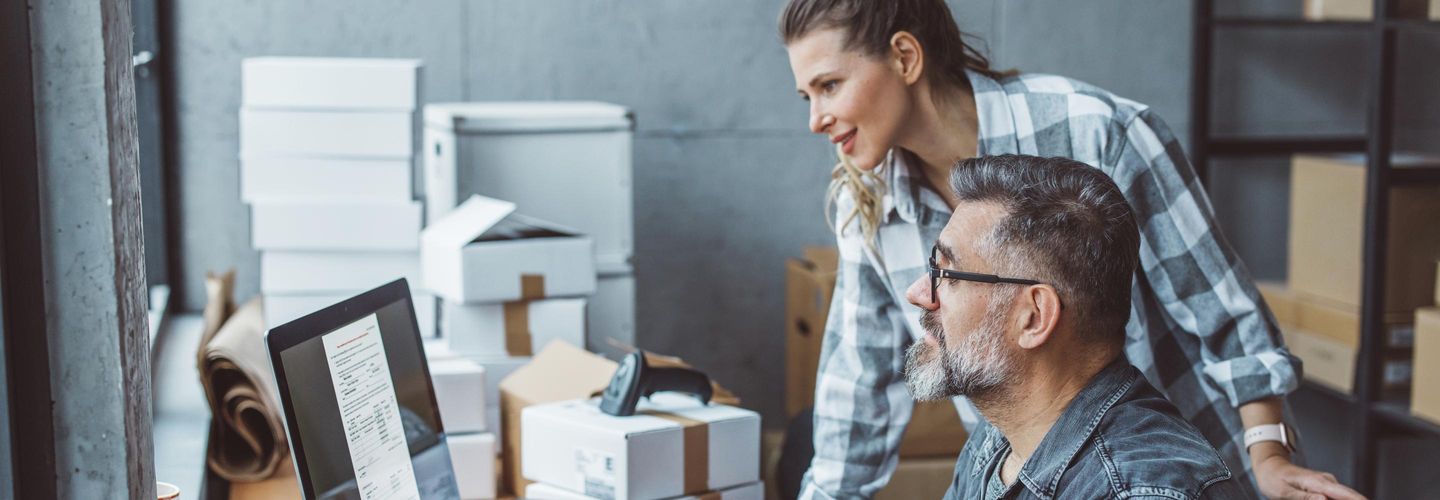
{"type": "Point", "coordinates": [559, 372]}
{"type": "Point", "coordinates": [528, 116]}
{"type": "Point", "coordinates": [466, 223]}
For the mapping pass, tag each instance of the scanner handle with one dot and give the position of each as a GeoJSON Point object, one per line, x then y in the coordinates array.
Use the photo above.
{"type": "Point", "coordinates": [679, 380]}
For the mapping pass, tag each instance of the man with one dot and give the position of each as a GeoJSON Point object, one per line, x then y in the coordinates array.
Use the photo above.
{"type": "Point", "coordinates": [1025, 304]}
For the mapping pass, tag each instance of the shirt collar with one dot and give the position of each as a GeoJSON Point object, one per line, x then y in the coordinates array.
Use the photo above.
{"type": "Point", "coordinates": [996, 125]}
{"type": "Point", "coordinates": [1076, 425]}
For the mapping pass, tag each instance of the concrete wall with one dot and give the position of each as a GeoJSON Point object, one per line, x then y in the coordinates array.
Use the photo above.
{"type": "Point", "coordinates": [93, 445]}
{"type": "Point", "coordinates": [728, 181]}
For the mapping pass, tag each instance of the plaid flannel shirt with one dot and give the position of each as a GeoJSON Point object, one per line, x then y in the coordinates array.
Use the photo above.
{"type": "Point", "coordinates": [1198, 330]}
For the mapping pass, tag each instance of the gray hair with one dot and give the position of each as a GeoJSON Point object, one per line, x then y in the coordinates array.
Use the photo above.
{"type": "Point", "coordinates": [1068, 225]}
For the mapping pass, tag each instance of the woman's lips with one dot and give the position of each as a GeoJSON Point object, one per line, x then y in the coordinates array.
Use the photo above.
{"type": "Point", "coordinates": [847, 142]}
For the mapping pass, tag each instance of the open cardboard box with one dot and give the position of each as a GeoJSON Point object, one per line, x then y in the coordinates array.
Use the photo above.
{"type": "Point", "coordinates": [560, 372]}
{"type": "Point", "coordinates": [483, 252]}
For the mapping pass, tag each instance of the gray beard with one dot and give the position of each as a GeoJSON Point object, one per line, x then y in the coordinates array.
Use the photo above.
{"type": "Point", "coordinates": [976, 368]}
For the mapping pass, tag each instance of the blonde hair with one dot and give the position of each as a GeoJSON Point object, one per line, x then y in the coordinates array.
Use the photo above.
{"type": "Point", "coordinates": [867, 190]}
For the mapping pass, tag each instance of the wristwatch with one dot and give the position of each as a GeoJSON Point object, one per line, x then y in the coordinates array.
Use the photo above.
{"type": "Point", "coordinates": [1281, 433]}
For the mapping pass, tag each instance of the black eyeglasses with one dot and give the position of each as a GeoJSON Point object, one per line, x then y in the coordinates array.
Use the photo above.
{"type": "Point", "coordinates": [936, 274]}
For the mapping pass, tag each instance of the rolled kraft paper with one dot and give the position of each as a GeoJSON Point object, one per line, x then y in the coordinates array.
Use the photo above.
{"type": "Point", "coordinates": [518, 341]}
{"type": "Point", "coordinates": [696, 439]}
{"type": "Point", "coordinates": [247, 429]}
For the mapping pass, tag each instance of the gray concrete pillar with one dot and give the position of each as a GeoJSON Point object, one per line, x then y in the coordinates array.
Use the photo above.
{"type": "Point", "coordinates": [92, 248]}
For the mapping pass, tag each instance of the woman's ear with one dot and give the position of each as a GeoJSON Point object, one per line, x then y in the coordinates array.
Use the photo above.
{"type": "Point", "coordinates": [907, 56]}
{"type": "Point", "coordinates": [1039, 314]}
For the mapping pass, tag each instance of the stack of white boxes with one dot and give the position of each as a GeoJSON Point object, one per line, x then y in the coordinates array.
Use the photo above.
{"type": "Point", "coordinates": [508, 285]}
{"type": "Point", "coordinates": [327, 154]}
{"type": "Point", "coordinates": [565, 162]}
{"type": "Point", "coordinates": [461, 391]}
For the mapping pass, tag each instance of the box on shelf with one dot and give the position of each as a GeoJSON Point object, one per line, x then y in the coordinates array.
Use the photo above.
{"type": "Point", "coordinates": [484, 252]}
{"type": "Point", "coordinates": [1334, 321]}
{"type": "Point", "coordinates": [369, 134]}
{"type": "Point", "coordinates": [302, 179]}
{"type": "Point", "coordinates": [1363, 10]}
{"type": "Point", "coordinates": [517, 328]}
{"type": "Point", "coordinates": [749, 491]}
{"type": "Point", "coordinates": [809, 285]}
{"type": "Point", "coordinates": [315, 272]}
{"type": "Point", "coordinates": [473, 458]}
{"type": "Point", "coordinates": [329, 83]}
{"type": "Point", "coordinates": [460, 393]}
{"type": "Point", "coordinates": [1425, 390]}
{"type": "Point", "coordinates": [1327, 221]}
{"type": "Point", "coordinates": [1332, 363]}
{"type": "Point", "coordinates": [672, 446]}
{"type": "Point", "coordinates": [565, 162]}
{"type": "Point", "coordinates": [919, 478]}
{"type": "Point", "coordinates": [335, 226]}
{"type": "Point", "coordinates": [558, 372]}
{"type": "Point", "coordinates": [284, 308]}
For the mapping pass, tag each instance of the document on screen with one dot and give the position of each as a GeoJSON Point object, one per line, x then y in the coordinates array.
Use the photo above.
{"type": "Point", "coordinates": [370, 411]}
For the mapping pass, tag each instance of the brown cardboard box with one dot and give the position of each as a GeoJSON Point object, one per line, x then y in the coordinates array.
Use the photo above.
{"type": "Point", "coordinates": [1362, 10]}
{"type": "Point", "coordinates": [934, 429]}
{"type": "Point", "coordinates": [1437, 271]}
{"type": "Point", "coordinates": [1425, 391]}
{"type": "Point", "coordinates": [561, 371]}
{"type": "Point", "coordinates": [1332, 364]}
{"type": "Point", "coordinates": [809, 284]}
{"type": "Point", "coordinates": [1327, 210]}
{"type": "Point", "coordinates": [919, 478]}
{"type": "Point", "coordinates": [1337, 322]}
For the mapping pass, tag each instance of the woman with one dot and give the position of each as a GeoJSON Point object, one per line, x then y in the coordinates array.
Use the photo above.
{"type": "Point", "coordinates": [903, 97]}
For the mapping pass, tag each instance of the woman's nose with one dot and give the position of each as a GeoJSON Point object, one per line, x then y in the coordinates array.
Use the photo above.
{"type": "Point", "coordinates": [819, 121]}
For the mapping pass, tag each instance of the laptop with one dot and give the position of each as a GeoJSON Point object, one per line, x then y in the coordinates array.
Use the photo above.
{"type": "Point", "coordinates": [360, 412]}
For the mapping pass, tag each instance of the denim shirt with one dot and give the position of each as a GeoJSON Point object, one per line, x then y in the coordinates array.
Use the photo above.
{"type": "Point", "coordinates": [1119, 438]}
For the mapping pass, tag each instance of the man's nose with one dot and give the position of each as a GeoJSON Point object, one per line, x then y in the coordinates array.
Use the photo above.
{"type": "Point", "coordinates": [919, 294]}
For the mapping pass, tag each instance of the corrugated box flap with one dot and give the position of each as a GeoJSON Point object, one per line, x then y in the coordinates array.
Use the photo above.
{"type": "Point", "coordinates": [466, 223]}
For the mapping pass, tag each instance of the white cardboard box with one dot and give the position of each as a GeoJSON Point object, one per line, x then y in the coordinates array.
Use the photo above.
{"type": "Point", "coordinates": [373, 134]}
{"type": "Point", "coordinates": [496, 369]}
{"type": "Point", "coordinates": [484, 252]}
{"type": "Point", "coordinates": [335, 226]}
{"type": "Point", "coordinates": [329, 83]}
{"type": "Point", "coordinates": [281, 308]}
{"type": "Point", "coordinates": [310, 272]}
{"type": "Point", "coordinates": [749, 491]}
{"type": "Point", "coordinates": [565, 162]}
{"type": "Point", "coordinates": [492, 418]}
{"type": "Point", "coordinates": [284, 178]}
{"type": "Point", "coordinates": [460, 393]}
{"type": "Point", "coordinates": [574, 446]}
{"type": "Point", "coordinates": [517, 328]}
{"type": "Point", "coordinates": [473, 457]}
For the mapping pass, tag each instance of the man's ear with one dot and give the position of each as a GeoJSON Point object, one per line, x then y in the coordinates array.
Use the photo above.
{"type": "Point", "coordinates": [1039, 314]}
{"type": "Point", "coordinates": [907, 56]}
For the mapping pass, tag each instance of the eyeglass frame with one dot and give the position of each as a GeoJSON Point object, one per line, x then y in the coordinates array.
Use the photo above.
{"type": "Point", "coordinates": [936, 274]}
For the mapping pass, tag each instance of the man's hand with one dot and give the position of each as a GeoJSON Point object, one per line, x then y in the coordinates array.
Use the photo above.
{"type": "Point", "coordinates": [1278, 478]}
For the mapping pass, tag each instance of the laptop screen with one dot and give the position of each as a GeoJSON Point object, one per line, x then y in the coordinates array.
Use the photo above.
{"type": "Point", "coordinates": [363, 419]}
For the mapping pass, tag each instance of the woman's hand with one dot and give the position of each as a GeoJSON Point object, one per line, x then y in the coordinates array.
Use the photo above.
{"type": "Point", "coordinates": [1278, 478]}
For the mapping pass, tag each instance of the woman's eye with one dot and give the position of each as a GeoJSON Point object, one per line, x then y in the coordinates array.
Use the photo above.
{"type": "Point", "coordinates": [829, 85]}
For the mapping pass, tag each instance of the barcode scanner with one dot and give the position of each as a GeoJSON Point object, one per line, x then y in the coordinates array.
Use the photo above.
{"type": "Point", "coordinates": [635, 378]}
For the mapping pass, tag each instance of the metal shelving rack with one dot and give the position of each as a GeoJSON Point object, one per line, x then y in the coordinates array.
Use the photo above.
{"type": "Point", "coordinates": [1374, 418]}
